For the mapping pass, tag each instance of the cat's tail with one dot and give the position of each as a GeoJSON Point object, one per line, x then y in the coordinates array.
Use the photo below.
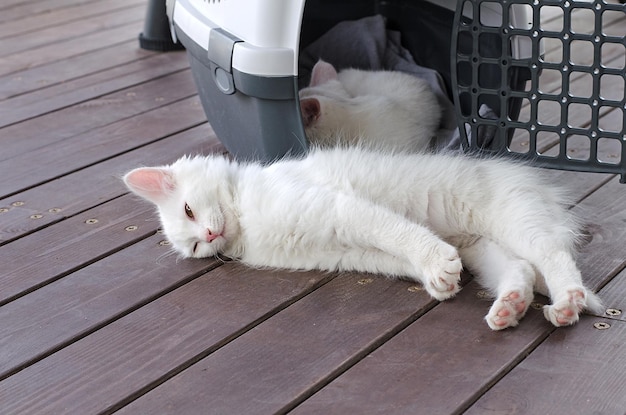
{"type": "Point", "coordinates": [594, 304]}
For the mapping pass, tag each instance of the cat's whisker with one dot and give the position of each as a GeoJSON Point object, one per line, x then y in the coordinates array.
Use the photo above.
{"type": "Point", "coordinates": [167, 254]}
{"type": "Point", "coordinates": [223, 259]}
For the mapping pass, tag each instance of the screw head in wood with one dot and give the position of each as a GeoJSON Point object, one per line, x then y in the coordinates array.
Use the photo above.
{"type": "Point", "coordinates": [536, 305]}
{"type": "Point", "coordinates": [613, 312]}
{"type": "Point", "coordinates": [601, 325]}
{"type": "Point", "coordinates": [483, 294]}
{"type": "Point", "coordinates": [36, 216]}
{"type": "Point", "coordinates": [91, 221]}
{"type": "Point", "coordinates": [364, 281]}
{"type": "Point", "coordinates": [131, 228]}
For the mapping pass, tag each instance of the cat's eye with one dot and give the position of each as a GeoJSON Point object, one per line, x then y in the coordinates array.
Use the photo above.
{"type": "Point", "coordinates": [188, 212]}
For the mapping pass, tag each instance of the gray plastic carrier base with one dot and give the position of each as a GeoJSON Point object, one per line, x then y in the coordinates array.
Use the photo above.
{"type": "Point", "coordinates": [258, 120]}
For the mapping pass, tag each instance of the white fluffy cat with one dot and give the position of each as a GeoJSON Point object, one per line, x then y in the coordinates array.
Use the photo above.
{"type": "Point", "coordinates": [362, 106]}
{"type": "Point", "coordinates": [401, 215]}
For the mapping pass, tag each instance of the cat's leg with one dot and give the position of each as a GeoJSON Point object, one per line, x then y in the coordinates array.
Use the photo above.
{"type": "Point", "coordinates": [548, 248]}
{"type": "Point", "coordinates": [509, 279]}
{"type": "Point", "coordinates": [433, 262]}
{"type": "Point", "coordinates": [563, 281]}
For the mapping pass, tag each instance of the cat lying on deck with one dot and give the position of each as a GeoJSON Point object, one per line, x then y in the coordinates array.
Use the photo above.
{"type": "Point", "coordinates": [411, 216]}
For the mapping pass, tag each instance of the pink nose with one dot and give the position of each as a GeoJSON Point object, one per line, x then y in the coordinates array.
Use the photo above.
{"type": "Point", "coordinates": [210, 236]}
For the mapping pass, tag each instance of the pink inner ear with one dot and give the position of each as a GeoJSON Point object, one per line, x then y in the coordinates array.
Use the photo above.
{"type": "Point", "coordinates": [310, 109]}
{"type": "Point", "coordinates": [322, 73]}
{"type": "Point", "coordinates": [150, 183]}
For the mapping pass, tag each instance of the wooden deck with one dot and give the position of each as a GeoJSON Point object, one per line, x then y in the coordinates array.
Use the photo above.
{"type": "Point", "coordinates": [97, 316]}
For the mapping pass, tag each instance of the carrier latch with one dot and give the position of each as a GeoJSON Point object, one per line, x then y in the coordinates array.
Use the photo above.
{"type": "Point", "coordinates": [221, 45]}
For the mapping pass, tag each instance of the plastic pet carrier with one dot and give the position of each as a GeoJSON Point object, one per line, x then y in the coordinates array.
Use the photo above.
{"type": "Point", "coordinates": [249, 58]}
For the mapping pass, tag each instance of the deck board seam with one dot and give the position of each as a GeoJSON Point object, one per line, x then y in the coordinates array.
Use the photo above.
{"type": "Point", "coordinates": [213, 348]}
{"type": "Point", "coordinates": [358, 357]}
{"type": "Point", "coordinates": [67, 342]}
{"type": "Point", "coordinates": [139, 238]}
{"type": "Point", "coordinates": [103, 95]}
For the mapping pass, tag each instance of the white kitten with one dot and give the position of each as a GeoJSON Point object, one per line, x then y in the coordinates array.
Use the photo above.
{"type": "Point", "coordinates": [401, 215]}
{"type": "Point", "coordinates": [363, 106]}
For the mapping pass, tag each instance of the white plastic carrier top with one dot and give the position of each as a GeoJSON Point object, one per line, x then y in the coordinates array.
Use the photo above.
{"type": "Point", "coordinates": [269, 30]}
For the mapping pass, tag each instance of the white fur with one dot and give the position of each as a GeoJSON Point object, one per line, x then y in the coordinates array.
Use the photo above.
{"type": "Point", "coordinates": [357, 106]}
{"type": "Point", "coordinates": [401, 215]}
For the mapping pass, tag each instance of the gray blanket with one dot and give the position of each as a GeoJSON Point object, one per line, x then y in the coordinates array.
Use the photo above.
{"type": "Point", "coordinates": [367, 44]}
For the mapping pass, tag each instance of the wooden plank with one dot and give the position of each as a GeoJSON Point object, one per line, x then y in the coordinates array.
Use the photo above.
{"type": "Point", "coordinates": [270, 368]}
{"type": "Point", "coordinates": [34, 326]}
{"type": "Point", "coordinates": [30, 169]}
{"type": "Point", "coordinates": [29, 7]}
{"type": "Point", "coordinates": [42, 101]}
{"type": "Point", "coordinates": [604, 255]}
{"type": "Point", "coordinates": [579, 185]}
{"type": "Point", "coordinates": [110, 366]}
{"type": "Point", "coordinates": [27, 136]}
{"type": "Point", "coordinates": [58, 72]}
{"type": "Point", "coordinates": [72, 244]}
{"type": "Point", "coordinates": [614, 297]}
{"type": "Point", "coordinates": [437, 365]}
{"type": "Point", "coordinates": [579, 370]}
{"type": "Point", "coordinates": [8, 4]}
{"type": "Point", "coordinates": [62, 50]}
{"type": "Point", "coordinates": [79, 191]}
{"type": "Point", "coordinates": [41, 22]}
{"type": "Point", "coordinates": [73, 29]}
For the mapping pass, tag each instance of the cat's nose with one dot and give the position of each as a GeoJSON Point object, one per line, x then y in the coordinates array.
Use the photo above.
{"type": "Point", "coordinates": [210, 236]}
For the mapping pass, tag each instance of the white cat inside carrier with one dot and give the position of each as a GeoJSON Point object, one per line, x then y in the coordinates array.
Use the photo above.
{"type": "Point", "coordinates": [250, 58]}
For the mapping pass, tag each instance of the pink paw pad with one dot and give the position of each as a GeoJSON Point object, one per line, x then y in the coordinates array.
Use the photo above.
{"type": "Point", "coordinates": [443, 288]}
{"type": "Point", "coordinates": [507, 310]}
{"type": "Point", "coordinates": [444, 275]}
{"type": "Point", "coordinates": [565, 312]}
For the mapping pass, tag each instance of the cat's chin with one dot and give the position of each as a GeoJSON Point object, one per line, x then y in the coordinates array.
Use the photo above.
{"type": "Point", "coordinates": [208, 249]}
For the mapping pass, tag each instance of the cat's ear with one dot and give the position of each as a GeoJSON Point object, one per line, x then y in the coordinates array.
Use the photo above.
{"type": "Point", "coordinates": [155, 184]}
{"type": "Point", "coordinates": [310, 109]}
{"type": "Point", "coordinates": [322, 73]}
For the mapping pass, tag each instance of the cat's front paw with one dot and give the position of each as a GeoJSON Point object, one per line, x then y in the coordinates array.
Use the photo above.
{"type": "Point", "coordinates": [508, 309]}
{"type": "Point", "coordinates": [443, 274]}
{"type": "Point", "coordinates": [565, 312]}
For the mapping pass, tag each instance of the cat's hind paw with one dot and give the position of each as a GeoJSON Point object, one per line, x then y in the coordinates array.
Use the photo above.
{"type": "Point", "coordinates": [508, 309]}
{"type": "Point", "coordinates": [565, 312]}
{"type": "Point", "coordinates": [444, 274]}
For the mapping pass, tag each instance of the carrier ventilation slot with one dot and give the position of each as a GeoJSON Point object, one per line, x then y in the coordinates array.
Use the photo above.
{"type": "Point", "coordinates": [564, 108]}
